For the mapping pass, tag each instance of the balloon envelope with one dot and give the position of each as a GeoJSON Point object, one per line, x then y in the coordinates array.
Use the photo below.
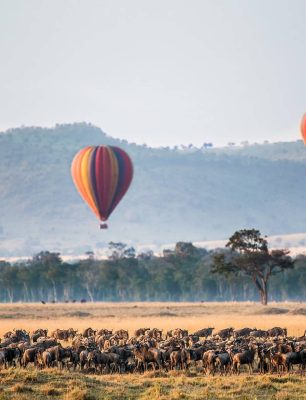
{"type": "Point", "coordinates": [303, 128]}
{"type": "Point", "coordinates": [102, 175]}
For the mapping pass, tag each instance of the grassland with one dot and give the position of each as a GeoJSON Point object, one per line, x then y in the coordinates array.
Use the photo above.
{"type": "Point", "coordinates": [33, 384]}
{"type": "Point", "coordinates": [191, 316]}
{"type": "Point", "coordinates": [23, 385]}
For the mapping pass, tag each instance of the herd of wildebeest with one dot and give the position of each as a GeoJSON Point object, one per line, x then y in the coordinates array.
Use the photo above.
{"type": "Point", "coordinates": [105, 351]}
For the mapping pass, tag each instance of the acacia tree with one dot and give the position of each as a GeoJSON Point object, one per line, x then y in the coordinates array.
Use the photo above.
{"type": "Point", "coordinates": [249, 255]}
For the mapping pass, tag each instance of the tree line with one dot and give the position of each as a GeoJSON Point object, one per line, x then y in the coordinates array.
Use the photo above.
{"type": "Point", "coordinates": [244, 271]}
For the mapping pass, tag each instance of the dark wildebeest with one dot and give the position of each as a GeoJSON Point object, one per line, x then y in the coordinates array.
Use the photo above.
{"type": "Point", "coordinates": [264, 356]}
{"type": "Point", "coordinates": [114, 362]}
{"type": "Point", "coordinates": [38, 333]}
{"type": "Point", "coordinates": [46, 342]}
{"type": "Point", "coordinates": [98, 359]}
{"type": "Point", "coordinates": [223, 362]}
{"type": "Point", "coordinates": [9, 356]}
{"type": "Point", "coordinates": [225, 333]}
{"type": "Point", "coordinates": [246, 357]}
{"type": "Point", "coordinates": [110, 361]}
{"type": "Point", "coordinates": [44, 359]}
{"type": "Point", "coordinates": [63, 356]}
{"type": "Point", "coordinates": [292, 358]}
{"type": "Point", "coordinates": [180, 358]}
{"type": "Point", "coordinates": [205, 332]}
{"type": "Point", "coordinates": [242, 332]}
{"type": "Point", "coordinates": [145, 356]}
{"type": "Point", "coordinates": [258, 333]}
{"type": "Point", "coordinates": [196, 354]}
{"type": "Point", "coordinates": [29, 356]}
{"type": "Point", "coordinates": [277, 331]}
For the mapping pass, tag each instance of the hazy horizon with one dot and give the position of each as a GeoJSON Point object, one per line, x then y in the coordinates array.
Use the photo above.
{"type": "Point", "coordinates": [153, 146]}
{"type": "Point", "coordinates": [162, 73]}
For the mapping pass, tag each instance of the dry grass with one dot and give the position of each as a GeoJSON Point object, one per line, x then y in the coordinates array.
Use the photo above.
{"type": "Point", "coordinates": [21, 388]}
{"type": "Point", "coordinates": [149, 386]}
{"type": "Point", "coordinates": [191, 316]}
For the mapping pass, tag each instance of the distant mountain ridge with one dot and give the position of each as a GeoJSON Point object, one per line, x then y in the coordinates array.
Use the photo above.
{"type": "Point", "coordinates": [194, 195]}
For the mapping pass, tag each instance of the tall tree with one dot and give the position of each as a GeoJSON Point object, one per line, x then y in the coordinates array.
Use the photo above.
{"type": "Point", "coordinates": [120, 250]}
{"type": "Point", "coordinates": [52, 262]}
{"type": "Point", "coordinates": [249, 255]}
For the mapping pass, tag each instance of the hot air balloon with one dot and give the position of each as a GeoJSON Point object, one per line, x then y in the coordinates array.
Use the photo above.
{"type": "Point", "coordinates": [303, 128]}
{"type": "Point", "coordinates": [102, 175]}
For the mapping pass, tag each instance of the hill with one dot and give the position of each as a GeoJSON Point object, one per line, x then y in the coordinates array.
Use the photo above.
{"type": "Point", "coordinates": [193, 195]}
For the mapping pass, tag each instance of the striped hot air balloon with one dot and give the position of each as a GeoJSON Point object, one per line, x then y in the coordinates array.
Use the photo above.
{"type": "Point", "coordinates": [102, 175]}
{"type": "Point", "coordinates": [303, 128]}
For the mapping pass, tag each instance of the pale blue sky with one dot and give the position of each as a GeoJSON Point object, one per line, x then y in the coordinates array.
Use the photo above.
{"type": "Point", "coordinates": [161, 72]}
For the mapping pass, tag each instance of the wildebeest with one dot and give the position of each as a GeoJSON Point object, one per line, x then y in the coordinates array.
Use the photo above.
{"type": "Point", "coordinates": [88, 332]}
{"type": "Point", "coordinates": [225, 333]}
{"type": "Point", "coordinates": [9, 357]}
{"type": "Point", "coordinates": [44, 358]}
{"type": "Point", "coordinates": [29, 356]}
{"type": "Point", "coordinates": [258, 333]}
{"type": "Point", "coordinates": [38, 333]}
{"type": "Point", "coordinates": [205, 332]}
{"type": "Point", "coordinates": [98, 359]}
{"type": "Point", "coordinates": [246, 357]}
{"type": "Point", "coordinates": [104, 332]}
{"type": "Point", "coordinates": [209, 360]}
{"type": "Point", "coordinates": [122, 334]}
{"type": "Point", "coordinates": [145, 356]}
{"type": "Point", "coordinates": [177, 333]}
{"type": "Point", "coordinates": [264, 356]}
{"type": "Point", "coordinates": [196, 353]}
{"type": "Point", "coordinates": [141, 331]}
{"type": "Point", "coordinates": [64, 334]}
{"type": "Point", "coordinates": [180, 358]}
{"type": "Point", "coordinates": [223, 362]}
{"type": "Point", "coordinates": [277, 331]}
{"type": "Point", "coordinates": [287, 360]}
{"type": "Point", "coordinates": [242, 332]}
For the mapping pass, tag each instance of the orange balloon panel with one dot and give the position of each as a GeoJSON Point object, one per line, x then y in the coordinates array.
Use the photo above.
{"type": "Point", "coordinates": [303, 128]}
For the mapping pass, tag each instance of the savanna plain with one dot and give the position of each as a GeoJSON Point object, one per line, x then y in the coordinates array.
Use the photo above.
{"type": "Point", "coordinates": [31, 383]}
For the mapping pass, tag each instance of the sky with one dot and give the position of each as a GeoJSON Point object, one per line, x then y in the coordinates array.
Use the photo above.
{"type": "Point", "coordinates": [162, 72]}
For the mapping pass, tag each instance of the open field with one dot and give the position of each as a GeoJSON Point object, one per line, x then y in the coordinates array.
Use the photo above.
{"type": "Point", "coordinates": [191, 316]}
{"type": "Point", "coordinates": [193, 384]}
{"type": "Point", "coordinates": [32, 384]}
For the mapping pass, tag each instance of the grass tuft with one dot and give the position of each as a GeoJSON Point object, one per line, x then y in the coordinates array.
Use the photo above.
{"type": "Point", "coordinates": [78, 394]}
{"type": "Point", "coordinates": [21, 388]}
{"type": "Point", "coordinates": [49, 390]}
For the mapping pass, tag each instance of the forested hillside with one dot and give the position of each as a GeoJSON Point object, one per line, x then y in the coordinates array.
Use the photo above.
{"type": "Point", "coordinates": [190, 195]}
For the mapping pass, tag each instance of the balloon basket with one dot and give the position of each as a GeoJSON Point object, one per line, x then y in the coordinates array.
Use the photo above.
{"type": "Point", "coordinates": [103, 226]}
